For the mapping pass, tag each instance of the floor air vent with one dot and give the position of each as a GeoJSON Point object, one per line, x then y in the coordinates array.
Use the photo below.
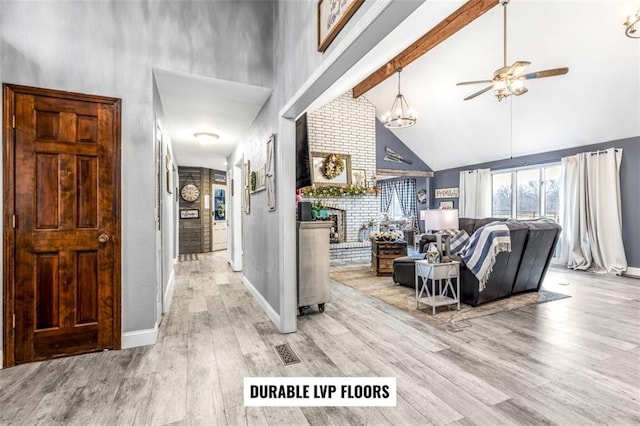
{"type": "Point", "coordinates": [286, 354]}
{"type": "Point", "coordinates": [188, 257]}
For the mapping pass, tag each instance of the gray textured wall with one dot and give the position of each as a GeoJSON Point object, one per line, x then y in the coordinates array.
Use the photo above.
{"type": "Point", "coordinates": [295, 58]}
{"type": "Point", "coordinates": [629, 178]}
{"type": "Point", "coordinates": [109, 48]}
{"type": "Point", "coordinates": [168, 207]}
{"type": "Point", "coordinates": [386, 138]}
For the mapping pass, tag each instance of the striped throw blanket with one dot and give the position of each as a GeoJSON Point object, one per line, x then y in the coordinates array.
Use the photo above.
{"type": "Point", "coordinates": [484, 245]}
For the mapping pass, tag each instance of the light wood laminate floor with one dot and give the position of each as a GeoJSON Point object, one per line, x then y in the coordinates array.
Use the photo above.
{"type": "Point", "coordinates": [574, 361]}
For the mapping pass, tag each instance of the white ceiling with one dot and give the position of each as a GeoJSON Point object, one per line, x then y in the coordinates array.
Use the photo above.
{"type": "Point", "coordinates": [597, 101]}
{"type": "Point", "coordinates": [194, 103]}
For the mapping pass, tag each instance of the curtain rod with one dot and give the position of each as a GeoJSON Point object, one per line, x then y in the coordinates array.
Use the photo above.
{"type": "Point", "coordinates": [602, 152]}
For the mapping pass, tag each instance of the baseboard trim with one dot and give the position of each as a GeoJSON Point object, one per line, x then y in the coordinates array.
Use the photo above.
{"type": "Point", "coordinates": [168, 294]}
{"type": "Point", "coordinates": [234, 268]}
{"type": "Point", "coordinates": [134, 339]}
{"type": "Point", "coordinates": [271, 313]}
{"type": "Point", "coordinates": [632, 272]}
{"type": "Point", "coordinates": [1, 359]}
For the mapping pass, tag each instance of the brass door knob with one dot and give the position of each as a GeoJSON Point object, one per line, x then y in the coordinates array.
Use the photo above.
{"type": "Point", "coordinates": [103, 238]}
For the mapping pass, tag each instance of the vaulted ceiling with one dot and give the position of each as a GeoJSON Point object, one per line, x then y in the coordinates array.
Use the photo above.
{"type": "Point", "coordinates": [597, 101]}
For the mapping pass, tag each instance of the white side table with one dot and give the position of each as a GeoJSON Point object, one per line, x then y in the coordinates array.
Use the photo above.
{"type": "Point", "coordinates": [437, 272]}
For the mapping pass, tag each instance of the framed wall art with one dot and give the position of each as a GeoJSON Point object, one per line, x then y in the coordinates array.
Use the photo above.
{"type": "Point", "coordinates": [189, 214]}
{"type": "Point", "coordinates": [359, 177]}
{"type": "Point", "coordinates": [257, 179]}
{"type": "Point", "coordinates": [447, 193]}
{"type": "Point", "coordinates": [270, 174]}
{"type": "Point", "coordinates": [332, 17]}
{"type": "Point", "coordinates": [246, 189]}
{"type": "Point", "coordinates": [169, 171]}
{"type": "Point", "coordinates": [330, 168]}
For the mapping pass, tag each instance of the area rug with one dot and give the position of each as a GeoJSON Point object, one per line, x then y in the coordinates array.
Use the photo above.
{"type": "Point", "coordinates": [383, 288]}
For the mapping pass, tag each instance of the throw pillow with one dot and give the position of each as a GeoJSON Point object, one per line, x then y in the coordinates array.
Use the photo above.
{"type": "Point", "coordinates": [459, 242]}
{"type": "Point", "coordinates": [449, 232]}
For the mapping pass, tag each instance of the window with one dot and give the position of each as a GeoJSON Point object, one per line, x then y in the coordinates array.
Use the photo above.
{"type": "Point", "coordinates": [552, 192]}
{"type": "Point", "coordinates": [528, 196]}
{"type": "Point", "coordinates": [395, 209]}
{"type": "Point", "coordinates": [502, 195]}
{"type": "Point", "coordinates": [535, 194]}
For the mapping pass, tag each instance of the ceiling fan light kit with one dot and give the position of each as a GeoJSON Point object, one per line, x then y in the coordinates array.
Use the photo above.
{"type": "Point", "coordinates": [509, 80]}
{"type": "Point", "coordinates": [400, 115]}
{"type": "Point", "coordinates": [632, 25]}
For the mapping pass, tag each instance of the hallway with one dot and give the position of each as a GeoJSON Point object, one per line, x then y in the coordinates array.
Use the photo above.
{"type": "Point", "coordinates": [572, 361]}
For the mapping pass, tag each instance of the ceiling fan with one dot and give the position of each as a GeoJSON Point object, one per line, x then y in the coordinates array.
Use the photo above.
{"type": "Point", "coordinates": [509, 80]}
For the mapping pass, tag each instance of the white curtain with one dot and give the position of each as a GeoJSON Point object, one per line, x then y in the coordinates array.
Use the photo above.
{"type": "Point", "coordinates": [591, 213]}
{"type": "Point", "coordinates": [475, 193]}
{"type": "Point", "coordinates": [575, 251]}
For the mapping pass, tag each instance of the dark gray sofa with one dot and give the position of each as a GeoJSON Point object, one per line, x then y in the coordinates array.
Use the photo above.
{"type": "Point", "coordinates": [520, 270]}
{"type": "Point", "coordinates": [404, 268]}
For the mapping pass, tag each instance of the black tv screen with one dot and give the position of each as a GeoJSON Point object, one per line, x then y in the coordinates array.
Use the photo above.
{"type": "Point", "coordinates": [303, 164]}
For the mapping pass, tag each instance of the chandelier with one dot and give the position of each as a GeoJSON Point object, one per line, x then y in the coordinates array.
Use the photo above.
{"type": "Point", "coordinates": [632, 25]}
{"type": "Point", "coordinates": [400, 115]}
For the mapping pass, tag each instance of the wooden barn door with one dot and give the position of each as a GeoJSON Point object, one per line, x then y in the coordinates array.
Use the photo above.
{"type": "Point", "coordinates": [62, 223]}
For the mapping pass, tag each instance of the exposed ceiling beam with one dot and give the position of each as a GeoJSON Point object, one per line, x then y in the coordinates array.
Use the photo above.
{"type": "Point", "coordinates": [467, 13]}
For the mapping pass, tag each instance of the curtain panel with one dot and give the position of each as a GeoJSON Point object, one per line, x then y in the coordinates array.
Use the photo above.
{"type": "Point", "coordinates": [475, 193]}
{"type": "Point", "coordinates": [386, 189]}
{"type": "Point", "coordinates": [406, 190]}
{"type": "Point", "coordinates": [591, 212]}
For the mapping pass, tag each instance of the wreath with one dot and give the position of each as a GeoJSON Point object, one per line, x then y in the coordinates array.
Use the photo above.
{"type": "Point", "coordinates": [333, 166]}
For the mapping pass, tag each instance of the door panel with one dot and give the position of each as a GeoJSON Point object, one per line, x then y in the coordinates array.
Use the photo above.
{"type": "Point", "coordinates": [47, 194]}
{"type": "Point", "coordinates": [47, 291]}
{"type": "Point", "coordinates": [67, 257]}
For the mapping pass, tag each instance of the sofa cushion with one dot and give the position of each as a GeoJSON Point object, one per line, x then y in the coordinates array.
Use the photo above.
{"type": "Point", "coordinates": [467, 224]}
{"type": "Point", "coordinates": [541, 243]}
{"type": "Point", "coordinates": [425, 240]}
{"type": "Point", "coordinates": [409, 259]}
{"type": "Point", "coordinates": [503, 275]}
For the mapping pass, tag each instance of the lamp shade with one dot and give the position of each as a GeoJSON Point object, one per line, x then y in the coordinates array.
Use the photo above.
{"type": "Point", "coordinates": [437, 220]}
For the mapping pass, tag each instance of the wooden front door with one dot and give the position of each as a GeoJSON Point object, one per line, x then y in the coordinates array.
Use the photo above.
{"type": "Point", "coordinates": [62, 223]}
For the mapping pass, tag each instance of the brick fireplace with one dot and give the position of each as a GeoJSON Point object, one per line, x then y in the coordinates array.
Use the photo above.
{"type": "Point", "coordinates": [356, 137]}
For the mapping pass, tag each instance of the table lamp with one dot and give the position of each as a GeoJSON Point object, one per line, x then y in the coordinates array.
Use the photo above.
{"type": "Point", "coordinates": [438, 220]}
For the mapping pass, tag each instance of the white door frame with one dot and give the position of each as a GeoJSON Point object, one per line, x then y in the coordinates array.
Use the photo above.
{"type": "Point", "coordinates": [215, 186]}
{"type": "Point", "coordinates": [234, 243]}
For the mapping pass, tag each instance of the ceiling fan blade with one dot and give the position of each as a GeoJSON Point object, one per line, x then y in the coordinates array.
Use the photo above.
{"type": "Point", "coordinates": [464, 83]}
{"type": "Point", "coordinates": [545, 73]}
{"type": "Point", "coordinates": [478, 93]}
{"type": "Point", "coordinates": [518, 67]}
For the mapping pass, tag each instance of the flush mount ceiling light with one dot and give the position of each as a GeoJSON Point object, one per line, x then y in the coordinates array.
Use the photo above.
{"type": "Point", "coordinates": [632, 25]}
{"type": "Point", "coordinates": [400, 115]}
{"type": "Point", "coordinates": [206, 137]}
